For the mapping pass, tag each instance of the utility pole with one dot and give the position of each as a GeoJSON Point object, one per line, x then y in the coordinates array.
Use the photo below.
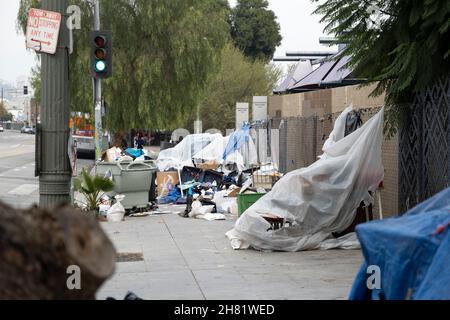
{"type": "Point", "coordinates": [98, 94]}
{"type": "Point", "coordinates": [53, 163]}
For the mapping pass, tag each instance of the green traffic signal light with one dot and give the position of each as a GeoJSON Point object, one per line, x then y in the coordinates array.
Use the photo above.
{"type": "Point", "coordinates": [101, 54]}
{"type": "Point", "coordinates": [100, 66]}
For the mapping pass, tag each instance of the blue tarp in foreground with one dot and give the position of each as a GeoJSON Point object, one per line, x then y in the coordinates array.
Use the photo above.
{"type": "Point", "coordinates": [412, 253]}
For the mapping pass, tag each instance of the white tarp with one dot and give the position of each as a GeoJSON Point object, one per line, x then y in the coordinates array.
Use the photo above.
{"type": "Point", "coordinates": [321, 199]}
{"type": "Point", "coordinates": [245, 156]}
{"type": "Point", "coordinates": [206, 147]}
{"type": "Point", "coordinates": [181, 155]}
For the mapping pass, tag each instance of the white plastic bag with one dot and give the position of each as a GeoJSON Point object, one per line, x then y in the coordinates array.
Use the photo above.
{"type": "Point", "coordinates": [223, 203]}
{"type": "Point", "coordinates": [117, 212]}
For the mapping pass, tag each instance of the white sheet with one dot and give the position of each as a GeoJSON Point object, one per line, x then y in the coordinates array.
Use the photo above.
{"type": "Point", "coordinates": [321, 199]}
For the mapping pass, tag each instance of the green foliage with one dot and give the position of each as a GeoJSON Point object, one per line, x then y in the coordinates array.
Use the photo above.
{"type": "Point", "coordinates": [164, 54]}
{"type": "Point", "coordinates": [408, 51]}
{"type": "Point", "coordinates": [92, 188]}
{"type": "Point", "coordinates": [4, 114]}
{"type": "Point", "coordinates": [254, 29]}
{"type": "Point", "coordinates": [36, 83]}
{"type": "Point", "coordinates": [239, 79]}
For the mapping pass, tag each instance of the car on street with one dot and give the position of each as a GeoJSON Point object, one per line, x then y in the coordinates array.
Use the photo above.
{"type": "Point", "coordinates": [1, 128]}
{"type": "Point", "coordinates": [85, 146]}
{"type": "Point", "coordinates": [28, 130]}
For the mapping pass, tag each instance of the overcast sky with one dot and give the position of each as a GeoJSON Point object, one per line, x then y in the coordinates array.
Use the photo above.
{"type": "Point", "coordinates": [15, 60]}
{"type": "Point", "coordinates": [300, 30]}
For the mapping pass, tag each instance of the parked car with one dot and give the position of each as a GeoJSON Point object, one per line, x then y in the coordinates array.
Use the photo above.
{"type": "Point", "coordinates": [2, 129]}
{"type": "Point", "coordinates": [85, 146]}
{"type": "Point", "coordinates": [26, 129]}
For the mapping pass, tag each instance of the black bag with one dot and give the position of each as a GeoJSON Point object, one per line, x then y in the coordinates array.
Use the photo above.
{"type": "Point", "coordinates": [353, 122]}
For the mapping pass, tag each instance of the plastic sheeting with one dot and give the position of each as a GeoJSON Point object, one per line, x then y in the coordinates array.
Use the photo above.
{"type": "Point", "coordinates": [181, 155]}
{"type": "Point", "coordinates": [412, 253]}
{"type": "Point", "coordinates": [237, 149]}
{"type": "Point", "coordinates": [237, 140]}
{"type": "Point", "coordinates": [318, 200]}
{"type": "Point", "coordinates": [215, 150]}
{"type": "Point", "coordinates": [338, 132]}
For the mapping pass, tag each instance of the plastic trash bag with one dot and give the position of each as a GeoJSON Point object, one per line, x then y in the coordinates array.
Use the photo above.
{"type": "Point", "coordinates": [117, 212]}
{"type": "Point", "coordinates": [321, 199]}
{"type": "Point", "coordinates": [224, 204]}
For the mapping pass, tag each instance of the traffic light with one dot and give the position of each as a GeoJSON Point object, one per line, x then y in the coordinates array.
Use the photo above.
{"type": "Point", "coordinates": [101, 54]}
{"type": "Point", "coordinates": [25, 90]}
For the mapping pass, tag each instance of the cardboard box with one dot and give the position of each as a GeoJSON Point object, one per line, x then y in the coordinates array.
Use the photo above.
{"type": "Point", "coordinates": [208, 165]}
{"type": "Point", "coordinates": [169, 178]}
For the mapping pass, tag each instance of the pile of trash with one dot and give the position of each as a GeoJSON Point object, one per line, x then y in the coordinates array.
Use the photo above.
{"type": "Point", "coordinates": [115, 154]}
{"type": "Point", "coordinates": [208, 172]}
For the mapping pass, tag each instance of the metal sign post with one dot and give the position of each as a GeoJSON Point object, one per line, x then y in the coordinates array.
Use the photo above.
{"type": "Point", "coordinates": [98, 95]}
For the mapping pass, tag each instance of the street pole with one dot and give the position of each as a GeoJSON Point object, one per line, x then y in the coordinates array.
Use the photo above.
{"type": "Point", "coordinates": [54, 167]}
{"type": "Point", "coordinates": [98, 95]}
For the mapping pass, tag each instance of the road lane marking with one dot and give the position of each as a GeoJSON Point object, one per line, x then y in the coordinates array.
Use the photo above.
{"type": "Point", "coordinates": [24, 190]}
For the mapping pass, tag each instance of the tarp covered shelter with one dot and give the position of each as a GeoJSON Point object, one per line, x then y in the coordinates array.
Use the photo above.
{"type": "Point", "coordinates": [412, 253]}
{"type": "Point", "coordinates": [319, 200]}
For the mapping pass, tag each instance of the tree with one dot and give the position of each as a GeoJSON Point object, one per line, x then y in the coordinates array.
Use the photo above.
{"type": "Point", "coordinates": [36, 83]}
{"type": "Point", "coordinates": [4, 114]}
{"type": "Point", "coordinates": [238, 79]}
{"type": "Point", "coordinates": [164, 54]}
{"type": "Point", "coordinates": [402, 44]}
{"type": "Point", "coordinates": [254, 29]}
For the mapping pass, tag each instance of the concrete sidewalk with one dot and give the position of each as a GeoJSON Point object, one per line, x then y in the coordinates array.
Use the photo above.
{"type": "Point", "coordinates": [192, 259]}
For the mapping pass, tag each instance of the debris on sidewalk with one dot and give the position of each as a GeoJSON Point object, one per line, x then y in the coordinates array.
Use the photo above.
{"type": "Point", "coordinates": [206, 172]}
{"type": "Point", "coordinates": [320, 200]}
{"type": "Point", "coordinates": [117, 212]}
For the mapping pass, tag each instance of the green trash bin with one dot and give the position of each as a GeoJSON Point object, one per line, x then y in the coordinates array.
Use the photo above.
{"type": "Point", "coordinates": [131, 179]}
{"type": "Point", "coordinates": [245, 201]}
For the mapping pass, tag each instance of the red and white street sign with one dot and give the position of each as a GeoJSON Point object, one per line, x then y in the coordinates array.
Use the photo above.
{"type": "Point", "coordinates": [43, 30]}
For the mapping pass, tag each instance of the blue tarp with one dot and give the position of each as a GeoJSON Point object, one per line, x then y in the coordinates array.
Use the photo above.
{"type": "Point", "coordinates": [172, 197]}
{"type": "Point", "coordinates": [135, 153]}
{"type": "Point", "coordinates": [412, 252]}
{"type": "Point", "coordinates": [237, 140]}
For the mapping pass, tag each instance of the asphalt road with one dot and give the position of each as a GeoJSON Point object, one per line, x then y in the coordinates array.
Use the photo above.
{"type": "Point", "coordinates": [18, 185]}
